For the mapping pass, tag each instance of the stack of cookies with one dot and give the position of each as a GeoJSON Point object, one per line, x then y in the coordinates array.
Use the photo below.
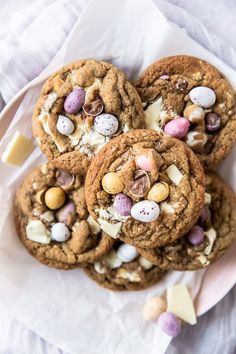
{"type": "Point", "coordinates": [129, 192]}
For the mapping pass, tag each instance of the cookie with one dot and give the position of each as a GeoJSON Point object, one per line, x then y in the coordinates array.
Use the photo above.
{"type": "Point", "coordinates": [124, 269]}
{"type": "Point", "coordinates": [191, 100]}
{"type": "Point", "coordinates": [145, 188]}
{"type": "Point", "coordinates": [52, 220]}
{"type": "Point", "coordinates": [209, 239]}
{"type": "Point", "coordinates": [80, 108]}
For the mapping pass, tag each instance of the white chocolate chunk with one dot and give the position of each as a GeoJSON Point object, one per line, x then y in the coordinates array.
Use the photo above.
{"type": "Point", "coordinates": [90, 90]}
{"type": "Point", "coordinates": [43, 117]}
{"type": "Point", "coordinates": [174, 174]}
{"type": "Point", "coordinates": [17, 150]}
{"type": "Point", "coordinates": [167, 208]}
{"type": "Point", "coordinates": [207, 199]}
{"type": "Point", "coordinates": [36, 231]}
{"type": "Point", "coordinates": [132, 276]}
{"type": "Point", "coordinates": [180, 303]}
{"type": "Point", "coordinates": [51, 99]}
{"type": "Point", "coordinates": [145, 264]}
{"type": "Point", "coordinates": [48, 216]}
{"type": "Point", "coordinates": [111, 229]}
{"type": "Point", "coordinates": [111, 259]}
{"type": "Point", "coordinates": [155, 116]}
{"type": "Point", "coordinates": [93, 225]}
{"type": "Point", "coordinates": [111, 214]}
{"type": "Point", "coordinates": [203, 260]}
{"type": "Point", "coordinates": [93, 139]}
{"type": "Point", "coordinates": [211, 235]}
{"type": "Point", "coordinates": [115, 216]}
{"type": "Point", "coordinates": [125, 128]}
{"type": "Point", "coordinates": [100, 269]}
{"type": "Point", "coordinates": [76, 135]}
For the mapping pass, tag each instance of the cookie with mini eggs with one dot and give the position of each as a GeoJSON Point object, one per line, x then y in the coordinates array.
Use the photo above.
{"type": "Point", "coordinates": [209, 239]}
{"type": "Point", "coordinates": [80, 108]}
{"type": "Point", "coordinates": [123, 268]}
{"type": "Point", "coordinates": [145, 188]}
{"type": "Point", "coordinates": [191, 100]}
{"type": "Point", "coordinates": [52, 220]}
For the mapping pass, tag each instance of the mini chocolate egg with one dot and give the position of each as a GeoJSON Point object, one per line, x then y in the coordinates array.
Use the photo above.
{"type": "Point", "coordinates": [54, 198]}
{"type": "Point", "coordinates": [213, 122]}
{"type": "Point", "coordinates": [65, 126]}
{"type": "Point", "coordinates": [170, 324]}
{"type": "Point", "coordinates": [154, 308]}
{"type": "Point", "coordinates": [60, 232]}
{"type": "Point", "coordinates": [177, 127]}
{"type": "Point", "coordinates": [203, 96]}
{"type": "Point", "coordinates": [127, 253]}
{"type": "Point", "coordinates": [123, 204]}
{"type": "Point", "coordinates": [112, 184]}
{"type": "Point", "coordinates": [106, 124]}
{"type": "Point", "coordinates": [159, 192]}
{"type": "Point", "coordinates": [74, 101]}
{"type": "Point", "coordinates": [196, 235]}
{"type": "Point", "coordinates": [144, 162]}
{"type": "Point", "coordinates": [145, 211]}
{"type": "Point", "coordinates": [66, 214]}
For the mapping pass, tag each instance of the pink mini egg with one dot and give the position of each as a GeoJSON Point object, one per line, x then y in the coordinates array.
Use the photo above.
{"type": "Point", "coordinates": [177, 127]}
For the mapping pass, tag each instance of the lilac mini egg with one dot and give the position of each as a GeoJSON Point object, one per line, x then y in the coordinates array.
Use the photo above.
{"type": "Point", "coordinates": [196, 235]}
{"type": "Point", "coordinates": [123, 204]}
{"type": "Point", "coordinates": [74, 101]}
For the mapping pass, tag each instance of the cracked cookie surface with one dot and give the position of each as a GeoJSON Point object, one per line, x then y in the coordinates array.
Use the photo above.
{"type": "Point", "coordinates": [82, 106]}
{"type": "Point", "coordinates": [116, 272]}
{"type": "Point", "coordinates": [194, 89]}
{"type": "Point", "coordinates": [218, 223]}
{"type": "Point", "coordinates": [52, 220]}
{"type": "Point", "coordinates": [145, 188]}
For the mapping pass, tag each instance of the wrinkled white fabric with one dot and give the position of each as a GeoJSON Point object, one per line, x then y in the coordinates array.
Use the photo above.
{"type": "Point", "coordinates": [32, 39]}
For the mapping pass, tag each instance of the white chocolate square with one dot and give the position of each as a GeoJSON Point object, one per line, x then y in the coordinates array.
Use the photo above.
{"type": "Point", "coordinates": [93, 225]}
{"type": "Point", "coordinates": [207, 199]}
{"type": "Point", "coordinates": [18, 149]}
{"type": "Point", "coordinates": [37, 232]}
{"type": "Point", "coordinates": [112, 229]}
{"type": "Point", "coordinates": [211, 235]}
{"type": "Point", "coordinates": [174, 174]}
{"type": "Point", "coordinates": [180, 303]}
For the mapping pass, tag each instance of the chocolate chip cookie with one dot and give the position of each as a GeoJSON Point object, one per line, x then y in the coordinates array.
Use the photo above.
{"type": "Point", "coordinates": [145, 188]}
{"type": "Point", "coordinates": [124, 269]}
{"type": "Point", "coordinates": [52, 220]}
{"type": "Point", "coordinates": [191, 100]}
{"type": "Point", "coordinates": [209, 239]}
{"type": "Point", "coordinates": [80, 108]}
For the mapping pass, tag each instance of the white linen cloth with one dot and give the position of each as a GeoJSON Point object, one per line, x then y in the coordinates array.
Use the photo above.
{"type": "Point", "coordinates": [32, 39]}
{"type": "Point", "coordinates": [24, 339]}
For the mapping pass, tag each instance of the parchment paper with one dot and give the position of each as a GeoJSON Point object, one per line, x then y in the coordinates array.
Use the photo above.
{"type": "Point", "coordinates": [66, 308]}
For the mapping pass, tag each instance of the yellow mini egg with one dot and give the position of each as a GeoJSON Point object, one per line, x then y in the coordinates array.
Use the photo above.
{"type": "Point", "coordinates": [159, 192]}
{"type": "Point", "coordinates": [112, 184]}
{"type": "Point", "coordinates": [55, 198]}
{"type": "Point", "coordinates": [154, 308]}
